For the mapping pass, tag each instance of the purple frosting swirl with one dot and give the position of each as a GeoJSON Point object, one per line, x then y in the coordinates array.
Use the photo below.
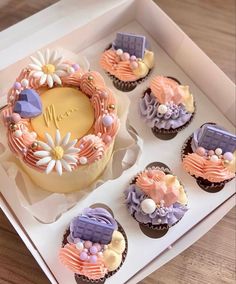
{"type": "Point", "coordinates": [162, 215]}
{"type": "Point", "coordinates": [175, 117]}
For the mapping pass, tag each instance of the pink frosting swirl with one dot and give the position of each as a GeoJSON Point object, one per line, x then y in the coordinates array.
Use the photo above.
{"type": "Point", "coordinates": [103, 99]}
{"type": "Point", "coordinates": [70, 257]}
{"type": "Point", "coordinates": [90, 82]}
{"type": "Point", "coordinates": [213, 171]}
{"type": "Point", "coordinates": [73, 79]}
{"type": "Point", "coordinates": [110, 62]}
{"type": "Point", "coordinates": [92, 147]}
{"type": "Point", "coordinates": [154, 183]}
{"type": "Point", "coordinates": [106, 132]}
{"type": "Point", "coordinates": [166, 90]}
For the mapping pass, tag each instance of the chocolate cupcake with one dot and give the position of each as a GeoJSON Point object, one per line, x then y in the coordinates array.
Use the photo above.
{"type": "Point", "coordinates": [94, 247]}
{"type": "Point", "coordinates": [156, 200]}
{"type": "Point", "coordinates": [167, 107]}
{"type": "Point", "coordinates": [127, 61]}
{"type": "Point", "coordinates": [209, 156]}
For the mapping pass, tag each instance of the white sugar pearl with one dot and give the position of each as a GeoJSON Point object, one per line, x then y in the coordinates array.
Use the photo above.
{"type": "Point", "coordinates": [148, 206]}
{"type": "Point", "coordinates": [218, 151]}
{"type": "Point", "coordinates": [162, 109]}
{"type": "Point", "coordinates": [24, 83]}
{"type": "Point", "coordinates": [79, 245]}
{"type": "Point", "coordinates": [214, 158]}
{"type": "Point", "coordinates": [83, 160]}
{"type": "Point", "coordinates": [33, 134]}
{"type": "Point", "coordinates": [159, 221]}
{"type": "Point", "coordinates": [119, 52]}
{"type": "Point", "coordinates": [18, 133]}
{"type": "Point", "coordinates": [70, 70]}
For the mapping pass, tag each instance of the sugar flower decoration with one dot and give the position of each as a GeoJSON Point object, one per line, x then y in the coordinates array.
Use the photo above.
{"type": "Point", "coordinates": [59, 154]}
{"type": "Point", "coordinates": [48, 67]}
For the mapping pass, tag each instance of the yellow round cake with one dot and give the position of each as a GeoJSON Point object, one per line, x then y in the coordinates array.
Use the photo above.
{"type": "Point", "coordinates": [61, 122]}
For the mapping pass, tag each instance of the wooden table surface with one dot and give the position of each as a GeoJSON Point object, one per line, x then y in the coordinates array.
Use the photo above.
{"type": "Point", "coordinates": [211, 260]}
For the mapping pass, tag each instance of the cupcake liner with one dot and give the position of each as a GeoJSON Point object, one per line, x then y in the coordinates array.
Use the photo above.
{"type": "Point", "coordinates": [150, 230]}
{"type": "Point", "coordinates": [208, 186]}
{"type": "Point", "coordinates": [127, 86]}
{"type": "Point", "coordinates": [81, 279]}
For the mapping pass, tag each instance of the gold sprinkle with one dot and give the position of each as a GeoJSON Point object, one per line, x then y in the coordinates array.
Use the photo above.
{"type": "Point", "coordinates": [34, 145]}
{"type": "Point", "coordinates": [90, 78]}
{"type": "Point", "coordinates": [111, 106]}
{"type": "Point", "coordinates": [12, 126]}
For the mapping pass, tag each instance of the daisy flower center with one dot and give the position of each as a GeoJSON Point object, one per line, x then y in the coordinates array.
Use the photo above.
{"type": "Point", "coordinates": [57, 153]}
{"type": "Point", "coordinates": [48, 69]}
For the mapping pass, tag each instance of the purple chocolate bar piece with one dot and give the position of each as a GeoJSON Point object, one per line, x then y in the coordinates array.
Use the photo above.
{"type": "Point", "coordinates": [213, 138]}
{"type": "Point", "coordinates": [92, 230]}
{"type": "Point", "coordinates": [133, 44]}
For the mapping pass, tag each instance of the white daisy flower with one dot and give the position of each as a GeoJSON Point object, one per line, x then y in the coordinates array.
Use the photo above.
{"type": "Point", "coordinates": [57, 154]}
{"type": "Point", "coordinates": [48, 67]}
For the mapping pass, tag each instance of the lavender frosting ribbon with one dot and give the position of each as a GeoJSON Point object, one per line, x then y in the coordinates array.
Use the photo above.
{"type": "Point", "coordinates": [174, 118]}
{"type": "Point", "coordinates": [163, 215]}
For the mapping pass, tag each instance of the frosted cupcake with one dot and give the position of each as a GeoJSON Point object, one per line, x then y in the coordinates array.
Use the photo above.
{"type": "Point", "coordinates": [94, 246]}
{"type": "Point", "coordinates": [156, 199]}
{"type": "Point", "coordinates": [127, 61]}
{"type": "Point", "coordinates": [167, 107]}
{"type": "Point", "coordinates": [209, 156]}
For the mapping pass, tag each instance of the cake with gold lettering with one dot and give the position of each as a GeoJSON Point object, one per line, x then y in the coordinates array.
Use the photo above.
{"type": "Point", "coordinates": [61, 122]}
{"type": "Point", "coordinates": [127, 61]}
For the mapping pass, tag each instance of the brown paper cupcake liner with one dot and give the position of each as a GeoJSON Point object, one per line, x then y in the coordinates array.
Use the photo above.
{"type": "Point", "coordinates": [208, 186]}
{"type": "Point", "coordinates": [127, 86]}
{"type": "Point", "coordinates": [81, 279]}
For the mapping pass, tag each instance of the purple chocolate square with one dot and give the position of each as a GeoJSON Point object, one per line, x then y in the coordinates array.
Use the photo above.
{"type": "Point", "coordinates": [133, 44]}
{"type": "Point", "coordinates": [213, 138]}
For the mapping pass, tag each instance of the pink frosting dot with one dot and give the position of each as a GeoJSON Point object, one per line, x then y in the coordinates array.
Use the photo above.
{"type": "Point", "coordinates": [133, 58]}
{"type": "Point", "coordinates": [103, 95]}
{"type": "Point", "coordinates": [125, 56]}
{"type": "Point", "coordinates": [88, 244]}
{"type": "Point", "coordinates": [134, 65]}
{"type": "Point", "coordinates": [211, 152]}
{"type": "Point", "coordinates": [107, 139]}
{"type": "Point", "coordinates": [200, 151]}
{"type": "Point", "coordinates": [15, 117]}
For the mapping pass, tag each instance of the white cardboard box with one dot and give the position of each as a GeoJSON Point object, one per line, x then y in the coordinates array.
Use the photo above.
{"type": "Point", "coordinates": [87, 27]}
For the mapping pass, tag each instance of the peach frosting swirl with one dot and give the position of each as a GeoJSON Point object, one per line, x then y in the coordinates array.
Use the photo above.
{"type": "Point", "coordinates": [213, 171]}
{"type": "Point", "coordinates": [166, 90]}
{"type": "Point", "coordinates": [88, 144]}
{"type": "Point", "coordinates": [90, 82]}
{"type": "Point", "coordinates": [161, 187]}
{"type": "Point", "coordinates": [110, 61]}
{"type": "Point", "coordinates": [92, 146]}
{"type": "Point", "coordinates": [69, 256]}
